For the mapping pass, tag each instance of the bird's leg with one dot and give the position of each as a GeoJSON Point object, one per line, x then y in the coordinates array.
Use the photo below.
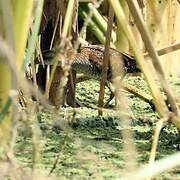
{"type": "Point", "coordinates": [112, 90]}
{"type": "Point", "coordinates": [109, 85]}
{"type": "Point", "coordinates": [131, 89]}
{"type": "Point", "coordinates": [71, 86]}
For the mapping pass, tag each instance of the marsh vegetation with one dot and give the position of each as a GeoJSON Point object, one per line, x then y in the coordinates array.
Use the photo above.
{"type": "Point", "coordinates": [60, 61]}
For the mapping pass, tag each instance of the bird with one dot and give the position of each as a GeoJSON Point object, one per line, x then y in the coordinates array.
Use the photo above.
{"type": "Point", "coordinates": [89, 61]}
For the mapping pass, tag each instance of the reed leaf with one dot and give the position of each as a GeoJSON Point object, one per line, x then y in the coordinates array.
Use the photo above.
{"type": "Point", "coordinates": [68, 18]}
{"type": "Point", "coordinates": [21, 22]}
{"type": "Point", "coordinates": [102, 24]}
{"type": "Point", "coordinates": [93, 26]}
{"type": "Point", "coordinates": [21, 13]}
{"type": "Point", "coordinates": [34, 36]}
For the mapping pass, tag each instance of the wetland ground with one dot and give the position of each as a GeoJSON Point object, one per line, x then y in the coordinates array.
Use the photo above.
{"type": "Point", "coordinates": [86, 146]}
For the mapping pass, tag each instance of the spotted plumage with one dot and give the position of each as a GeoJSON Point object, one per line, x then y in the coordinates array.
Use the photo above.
{"type": "Point", "coordinates": [89, 61]}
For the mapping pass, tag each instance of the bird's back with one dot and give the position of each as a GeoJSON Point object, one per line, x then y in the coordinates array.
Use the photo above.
{"type": "Point", "coordinates": [89, 61]}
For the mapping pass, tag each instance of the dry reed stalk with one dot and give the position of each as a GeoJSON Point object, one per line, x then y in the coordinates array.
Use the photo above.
{"type": "Point", "coordinates": [123, 111]}
{"type": "Point", "coordinates": [49, 80]}
{"type": "Point", "coordinates": [147, 71]}
{"type": "Point", "coordinates": [152, 53]}
{"type": "Point", "coordinates": [157, 168]}
{"type": "Point", "coordinates": [168, 49]}
{"type": "Point", "coordinates": [155, 60]}
{"type": "Point", "coordinates": [157, 130]}
{"type": "Point", "coordinates": [65, 70]}
{"type": "Point", "coordinates": [122, 43]}
{"type": "Point", "coordinates": [30, 108]}
{"type": "Point", "coordinates": [105, 59]}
